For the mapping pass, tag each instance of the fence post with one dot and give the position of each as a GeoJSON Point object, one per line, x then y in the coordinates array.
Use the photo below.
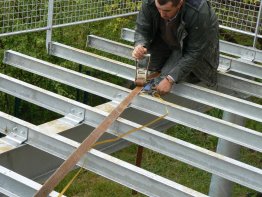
{"type": "Point", "coordinates": [220, 186]}
{"type": "Point", "coordinates": [49, 23]}
{"type": "Point", "coordinates": [258, 24]}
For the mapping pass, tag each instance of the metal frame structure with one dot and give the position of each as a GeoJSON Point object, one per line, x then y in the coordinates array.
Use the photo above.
{"type": "Point", "coordinates": [52, 142]}
{"type": "Point", "coordinates": [19, 132]}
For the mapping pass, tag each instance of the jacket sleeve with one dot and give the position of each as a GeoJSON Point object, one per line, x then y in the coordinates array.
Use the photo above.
{"type": "Point", "coordinates": [195, 44]}
{"type": "Point", "coordinates": [143, 30]}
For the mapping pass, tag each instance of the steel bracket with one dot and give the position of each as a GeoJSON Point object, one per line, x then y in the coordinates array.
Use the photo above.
{"type": "Point", "coordinates": [248, 55]}
{"type": "Point", "coordinates": [224, 65]}
{"type": "Point", "coordinates": [76, 116]}
{"type": "Point", "coordinates": [16, 135]}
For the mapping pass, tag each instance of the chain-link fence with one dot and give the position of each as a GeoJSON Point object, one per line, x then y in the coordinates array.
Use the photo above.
{"type": "Point", "coordinates": [18, 16]}
{"type": "Point", "coordinates": [70, 12]}
{"type": "Point", "coordinates": [22, 16]}
{"type": "Point", "coordinates": [239, 15]}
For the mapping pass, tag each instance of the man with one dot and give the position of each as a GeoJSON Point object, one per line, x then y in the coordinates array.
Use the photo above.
{"type": "Point", "coordinates": [182, 38]}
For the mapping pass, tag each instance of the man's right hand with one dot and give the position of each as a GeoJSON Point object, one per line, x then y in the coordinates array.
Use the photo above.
{"type": "Point", "coordinates": [139, 52]}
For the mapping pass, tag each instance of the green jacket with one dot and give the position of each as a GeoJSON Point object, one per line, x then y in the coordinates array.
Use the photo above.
{"type": "Point", "coordinates": [197, 35]}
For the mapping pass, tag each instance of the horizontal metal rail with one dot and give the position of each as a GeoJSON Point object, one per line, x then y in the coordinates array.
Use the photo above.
{"type": "Point", "coordinates": [220, 128]}
{"type": "Point", "coordinates": [228, 168]}
{"type": "Point", "coordinates": [240, 84]}
{"type": "Point", "coordinates": [110, 46]}
{"type": "Point", "coordinates": [13, 184]}
{"type": "Point", "coordinates": [125, 51]}
{"type": "Point", "coordinates": [105, 165]}
{"type": "Point", "coordinates": [196, 93]}
{"type": "Point", "coordinates": [241, 66]}
{"type": "Point", "coordinates": [248, 53]}
{"type": "Point", "coordinates": [219, 100]}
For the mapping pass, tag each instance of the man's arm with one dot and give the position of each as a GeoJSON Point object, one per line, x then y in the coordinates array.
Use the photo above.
{"type": "Point", "coordinates": [143, 30]}
{"type": "Point", "coordinates": [195, 46]}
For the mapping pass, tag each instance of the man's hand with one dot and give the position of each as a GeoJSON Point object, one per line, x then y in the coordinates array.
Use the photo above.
{"type": "Point", "coordinates": [139, 52]}
{"type": "Point", "coordinates": [164, 86]}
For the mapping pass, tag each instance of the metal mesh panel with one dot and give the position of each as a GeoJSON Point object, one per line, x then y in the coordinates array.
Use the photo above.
{"type": "Point", "coordinates": [237, 14]}
{"type": "Point", "coordinates": [18, 15]}
{"type": "Point", "coordinates": [66, 11]}
{"type": "Point", "coordinates": [29, 15]}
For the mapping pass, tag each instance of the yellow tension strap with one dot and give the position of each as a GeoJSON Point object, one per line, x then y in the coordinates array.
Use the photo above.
{"type": "Point", "coordinates": [113, 140]}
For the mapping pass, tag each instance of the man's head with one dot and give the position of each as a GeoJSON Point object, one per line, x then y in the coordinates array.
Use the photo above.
{"type": "Point", "coordinates": [168, 8]}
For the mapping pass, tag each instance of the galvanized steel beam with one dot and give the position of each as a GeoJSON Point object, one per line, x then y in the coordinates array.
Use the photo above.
{"type": "Point", "coordinates": [193, 92]}
{"type": "Point", "coordinates": [15, 185]}
{"type": "Point", "coordinates": [113, 67]}
{"type": "Point", "coordinates": [100, 163]}
{"type": "Point", "coordinates": [222, 129]}
{"type": "Point", "coordinates": [241, 66]}
{"type": "Point", "coordinates": [248, 53]}
{"type": "Point", "coordinates": [240, 84]}
{"type": "Point", "coordinates": [110, 46]}
{"type": "Point", "coordinates": [199, 157]}
{"type": "Point", "coordinates": [105, 89]}
{"type": "Point", "coordinates": [205, 123]}
{"type": "Point", "coordinates": [219, 100]}
{"type": "Point", "coordinates": [125, 51]}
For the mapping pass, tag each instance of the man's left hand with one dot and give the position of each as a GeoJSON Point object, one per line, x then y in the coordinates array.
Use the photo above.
{"type": "Point", "coordinates": [164, 87]}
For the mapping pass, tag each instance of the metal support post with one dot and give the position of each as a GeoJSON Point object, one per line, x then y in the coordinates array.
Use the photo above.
{"type": "Point", "coordinates": [78, 91]}
{"type": "Point", "coordinates": [257, 25]}
{"type": "Point", "coordinates": [220, 186]}
{"type": "Point", "coordinates": [86, 98]}
{"type": "Point", "coordinates": [49, 23]}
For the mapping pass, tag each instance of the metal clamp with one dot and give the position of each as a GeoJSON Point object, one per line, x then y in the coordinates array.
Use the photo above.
{"type": "Point", "coordinates": [142, 69]}
{"type": "Point", "coordinates": [76, 116]}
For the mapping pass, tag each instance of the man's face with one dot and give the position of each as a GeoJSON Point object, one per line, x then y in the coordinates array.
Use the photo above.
{"type": "Point", "coordinates": [168, 10]}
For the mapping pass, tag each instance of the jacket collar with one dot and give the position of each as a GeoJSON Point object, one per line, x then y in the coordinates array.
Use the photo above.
{"type": "Point", "coordinates": [151, 1]}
